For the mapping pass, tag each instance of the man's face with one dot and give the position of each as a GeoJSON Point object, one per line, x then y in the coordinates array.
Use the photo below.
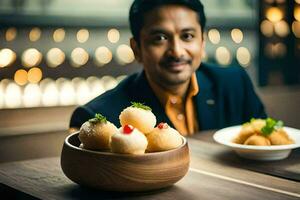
{"type": "Point", "coordinates": [171, 45]}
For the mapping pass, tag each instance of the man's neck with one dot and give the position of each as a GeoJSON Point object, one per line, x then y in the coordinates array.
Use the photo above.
{"type": "Point", "coordinates": [178, 90]}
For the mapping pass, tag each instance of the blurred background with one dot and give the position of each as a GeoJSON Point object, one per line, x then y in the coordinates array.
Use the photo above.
{"type": "Point", "coordinates": [57, 54]}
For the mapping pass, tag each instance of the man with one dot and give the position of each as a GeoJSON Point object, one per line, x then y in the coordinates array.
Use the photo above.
{"type": "Point", "coordinates": [187, 94]}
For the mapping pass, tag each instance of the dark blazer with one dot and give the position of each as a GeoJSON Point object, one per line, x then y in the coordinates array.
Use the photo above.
{"type": "Point", "coordinates": [226, 97]}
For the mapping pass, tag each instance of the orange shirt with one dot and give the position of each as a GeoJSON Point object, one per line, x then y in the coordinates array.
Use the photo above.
{"type": "Point", "coordinates": [182, 114]}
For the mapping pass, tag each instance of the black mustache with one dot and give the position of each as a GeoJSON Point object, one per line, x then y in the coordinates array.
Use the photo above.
{"type": "Point", "coordinates": [173, 60]}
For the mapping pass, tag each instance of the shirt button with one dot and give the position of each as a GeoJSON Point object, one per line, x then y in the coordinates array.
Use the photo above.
{"type": "Point", "coordinates": [173, 100]}
{"type": "Point", "coordinates": [180, 116]}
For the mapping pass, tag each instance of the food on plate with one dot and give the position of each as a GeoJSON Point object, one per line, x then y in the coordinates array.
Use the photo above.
{"type": "Point", "coordinates": [248, 129]}
{"type": "Point", "coordinates": [258, 140]}
{"type": "Point", "coordinates": [280, 137]}
{"type": "Point", "coordinates": [263, 132]}
{"type": "Point", "coordinates": [128, 140]}
{"type": "Point", "coordinates": [139, 116]}
{"type": "Point", "coordinates": [163, 138]}
{"type": "Point", "coordinates": [95, 133]}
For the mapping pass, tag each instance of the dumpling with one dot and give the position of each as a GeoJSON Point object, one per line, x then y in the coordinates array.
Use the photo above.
{"type": "Point", "coordinates": [138, 116]}
{"type": "Point", "coordinates": [245, 132]}
{"type": "Point", "coordinates": [280, 137]}
{"type": "Point", "coordinates": [163, 138]}
{"type": "Point", "coordinates": [128, 140]}
{"type": "Point", "coordinates": [257, 140]}
{"type": "Point", "coordinates": [95, 134]}
{"type": "Point", "coordinates": [257, 125]}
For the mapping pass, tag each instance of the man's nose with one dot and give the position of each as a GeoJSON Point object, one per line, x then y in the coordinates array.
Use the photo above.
{"type": "Point", "coordinates": [176, 48]}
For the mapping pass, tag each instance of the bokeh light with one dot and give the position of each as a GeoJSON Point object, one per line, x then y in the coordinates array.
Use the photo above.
{"type": "Point", "coordinates": [31, 57]}
{"type": "Point", "coordinates": [125, 54]}
{"type": "Point", "coordinates": [79, 57]}
{"type": "Point", "coordinates": [7, 57]}
{"type": "Point", "coordinates": [214, 36]}
{"type": "Point", "coordinates": [266, 27]}
{"type": "Point", "coordinates": [21, 77]}
{"type": "Point", "coordinates": [35, 34]}
{"type": "Point", "coordinates": [32, 95]}
{"type": "Point", "coordinates": [282, 28]}
{"type": "Point", "coordinates": [103, 55]}
{"type": "Point", "coordinates": [50, 94]}
{"type": "Point", "coordinates": [296, 28]}
{"type": "Point", "coordinates": [297, 13]}
{"type": "Point", "coordinates": [276, 50]}
{"type": "Point", "coordinates": [13, 96]}
{"type": "Point", "coordinates": [237, 35]}
{"type": "Point", "coordinates": [274, 14]}
{"type": "Point", "coordinates": [83, 35]}
{"type": "Point", "coordinates": [113, 35]}
{"type": "Point", "coordinates": [96, 86]}
{"type": "Point", "coordinates": [35, 75]}
{"type": "Point", "coordinates": [223, 56]}
{"type": "Point", "coordinates": [10, 34]}
{"type": "Point", "coordinates": [55, 57]}
{"type": "Point", "coordinates": [59, 35]}
{"type": "Point", "coordinates": [243, 56]}
{"type": "Point", "coordinates": [109, 82]}
{"type": "Point", "coordinates": [67, 95]}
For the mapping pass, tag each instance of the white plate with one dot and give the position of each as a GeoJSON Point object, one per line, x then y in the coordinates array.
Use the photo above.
{"type": "Point", "coordinates": [268, 153]}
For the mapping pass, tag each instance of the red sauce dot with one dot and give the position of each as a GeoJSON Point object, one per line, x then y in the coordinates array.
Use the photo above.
{"type": "Point", "coordinates": [127, 129]}
{"type": "Point", "coordinates": [162, 125]}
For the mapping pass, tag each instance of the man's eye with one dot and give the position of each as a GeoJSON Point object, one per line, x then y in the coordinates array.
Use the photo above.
{"type": "Point", "coordinates": [159, 38]}
{"type": "Point", "coordinates": [188, 36]}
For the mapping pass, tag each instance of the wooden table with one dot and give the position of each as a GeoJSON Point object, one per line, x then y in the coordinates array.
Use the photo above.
{"type": "Point", "coordinates": [215, 173]}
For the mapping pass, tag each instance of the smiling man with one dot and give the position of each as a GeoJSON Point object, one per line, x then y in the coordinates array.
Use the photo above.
{"type": "Point", "coordinates": [181, 90]}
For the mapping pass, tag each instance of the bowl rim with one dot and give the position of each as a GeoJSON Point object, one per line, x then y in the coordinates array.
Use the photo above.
{"type": "Point", "coordinates": [66, 142]}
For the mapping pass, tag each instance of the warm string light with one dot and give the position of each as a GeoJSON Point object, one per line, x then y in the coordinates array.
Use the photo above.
{"type": "Point", "coordinates": [214, 36]}
{"type": "Point", "coordinates": [82, 35]}
{"type": "Point", "coordinates": [274, 14]}
{"type": "Point", "coordinates": [113, 35]}
{"type": "Point", "coordinates": [10, 34]}
{"type": "Point", "coordinates": [31, 57]}
{"type": "Point", "coordinates": [79, 90]}
{"type": "Point", "coordinates": [55, 57]}
{"type": "Point", "coordinates": [59, 35]}
{"type": "Point", "coordinates": [7, 57]}
{"type": "Point", "coordinates": [103, 56]}
{"type": "Point", "coordinates": [125, 54]}
{"type": "Point", "coordinates": [79, 57]}
{"type": "Point", "coordinates": [223, 56]}
{"type": "Point", "coordinates": [49, 92]}
{"type": "Point", "coordinates": [35, 34]}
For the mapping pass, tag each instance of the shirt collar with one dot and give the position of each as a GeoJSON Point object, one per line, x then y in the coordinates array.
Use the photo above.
{"type": "Point", "coordinates": [166, 97]}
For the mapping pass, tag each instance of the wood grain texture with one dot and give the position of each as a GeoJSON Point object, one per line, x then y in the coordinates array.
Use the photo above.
{"type": "Point", "coordinates": [44, 179]}
{"type": "Point", "coordinates": [123, 172]}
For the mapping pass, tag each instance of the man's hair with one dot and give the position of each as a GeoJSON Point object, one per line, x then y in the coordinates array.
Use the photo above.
{"type": "Point", "coordinates": [139, 8]}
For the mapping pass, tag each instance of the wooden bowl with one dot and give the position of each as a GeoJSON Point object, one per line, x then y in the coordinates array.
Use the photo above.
{"type": "Point", "coordinates": [123, 172]}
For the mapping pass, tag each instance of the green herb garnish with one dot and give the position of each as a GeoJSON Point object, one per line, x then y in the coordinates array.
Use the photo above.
{"type": "Point", "coordinates": [140, 105]}
{"type": "Point", "coordinates": [271, 125]}
{"type": "Point", "coordinates": [98, 118]}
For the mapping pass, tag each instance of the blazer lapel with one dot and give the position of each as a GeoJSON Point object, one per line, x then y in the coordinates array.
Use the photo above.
{"type": "Point", "coordinates": [206, 102]}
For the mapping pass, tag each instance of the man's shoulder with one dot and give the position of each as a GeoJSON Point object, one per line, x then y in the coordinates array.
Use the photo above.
{"type": "Point", "coordinates": [220, 72]}
{"type": "Point", "coordinates": [222, 75]}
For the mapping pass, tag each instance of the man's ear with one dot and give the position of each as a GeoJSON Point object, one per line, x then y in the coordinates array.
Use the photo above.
{"type": "Point", "coordinates": [204, 36]}
{"type": "Point", "coordinates": [136, 50]}
{"type": "Point", "coordinates": [203, 46]}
